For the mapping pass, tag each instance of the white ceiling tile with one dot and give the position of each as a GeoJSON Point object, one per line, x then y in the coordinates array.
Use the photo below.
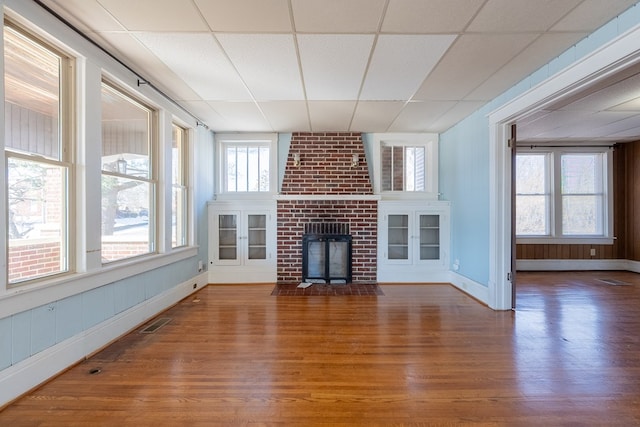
{"type": "Point", "coordinates": [472, 59]}
{"type": "Point", "coordinates": [337, 16]}
{"type": "Point", "coordinates": [400, 64]}
{"type": "Point", "coordinates": [549, 45]}
{"type": "Point", "coordinates": [375, 116]}
{"type": "Point", "coordinates": [287, 116]}
{"type": "Point", "coordinates": [333, 65]}
{"type": "Point", "coordinates": [429, 16]}
{"type": "Point", "coordinates": [267, 63]}
{"type": "Point", "coordinates": [458, 112]}
{"type": "Point", "coordinates": [87, 15]}
{"type": "Point", "coordinates": [130, 49]}
{"type": "Point", "coordinates": [248, 16]}
{"type": "Point", "coordinates": [591, 14]}
{"type": "Point", "coordinates": [420, 116]}
{"type": "Point", "coordinates": [156, 15]}
{"type": "Point", "coordinates": [205, 112]}
{"type": "Point", "coordinates": [579, 125]}
{"type": "Point", "coordinates": [331, 115]}
{"type": "Point", "coordinates": [520, 15]}
{"type": "Point", "coordinates": [200, 61]}
{"type": "Point", "coordinates": [240, 115]}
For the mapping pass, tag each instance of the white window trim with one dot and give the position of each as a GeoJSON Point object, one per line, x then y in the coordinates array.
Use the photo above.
{"type": "Point", "coordinates": [427, 140]}
{"type": "Point", "coordinates": [555, 215]}
{"type": "Point", "coordinates": [250, 138]}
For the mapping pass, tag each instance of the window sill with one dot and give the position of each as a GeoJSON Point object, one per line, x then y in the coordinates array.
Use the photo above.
{"type": "Point", "coordinates": [565, 240]}
{"type": "Point", "coordinates": [25, 297]}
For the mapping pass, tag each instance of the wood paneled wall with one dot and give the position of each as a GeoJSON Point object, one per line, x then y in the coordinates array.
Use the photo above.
{"type": "Point", "coordinates": [626, 222]}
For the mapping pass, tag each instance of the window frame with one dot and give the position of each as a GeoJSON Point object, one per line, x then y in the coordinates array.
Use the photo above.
{"type": "Point", "coordinates": [554, 209]}
{"type": "Point", "coordinates": [247, 139]}
{"type": "Point", "coordinates": [430, 143]}
{"type": "Point", "coordinates": [152, 174]}
{"type": "Point", "coordinates": [65, 160]}
{"type": "Point", "coordinates": [183, 184]}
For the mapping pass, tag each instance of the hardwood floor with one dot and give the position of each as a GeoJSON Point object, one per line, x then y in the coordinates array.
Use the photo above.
{"type": "Point", "coordinates": [419, 355]}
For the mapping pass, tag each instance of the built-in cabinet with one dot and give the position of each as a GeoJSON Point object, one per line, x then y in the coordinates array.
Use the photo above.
{"type": "Point", "coordinates": [413, 241]}
{"type": "Point", "coordinates": [242, 242]}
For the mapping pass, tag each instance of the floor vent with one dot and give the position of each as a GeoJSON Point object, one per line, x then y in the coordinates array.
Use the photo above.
{"type": "Point", "coordinates": [614, 282]}
{"type": "Point", "coordinates": [157, 324]}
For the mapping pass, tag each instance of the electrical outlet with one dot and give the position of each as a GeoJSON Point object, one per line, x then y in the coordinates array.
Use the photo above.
{"type": "Point", "coordinates": [195, 285]}
{"type": "Point", "coordinates": [593, 252]}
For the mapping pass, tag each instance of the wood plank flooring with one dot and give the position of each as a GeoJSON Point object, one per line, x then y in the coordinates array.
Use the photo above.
{"type": "Point", "coordinates": [419, 355]}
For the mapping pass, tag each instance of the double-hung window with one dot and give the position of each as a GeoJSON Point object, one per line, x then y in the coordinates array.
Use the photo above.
{"type": "Point", "coordinates": [564, 194]}
{"type": "Point", "coordinates": [38, 152]}
{"type": "Point", "coordinates": [247, 163]}
{"type": "Point", "coordinates": [128, 176]}
{"type": "Point", "coordinates": [179, 188]}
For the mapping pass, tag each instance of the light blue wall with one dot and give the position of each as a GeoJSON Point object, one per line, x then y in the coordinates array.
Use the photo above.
{"type": "Point", "coordinates": [464, 156]}
{"type": "Point", "coordinates": [27, 333]}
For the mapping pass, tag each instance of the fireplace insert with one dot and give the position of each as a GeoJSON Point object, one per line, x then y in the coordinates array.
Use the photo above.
{"type": "Point", "coordinates": [326, 257]}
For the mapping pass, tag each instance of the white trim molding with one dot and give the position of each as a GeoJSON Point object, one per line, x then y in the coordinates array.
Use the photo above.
{"type": "Point", "coordinates": [609, 59]}
{"type": "Point", "coordinates": [468, 286]}
{"type": "Point", "coordinates": [577, 264]}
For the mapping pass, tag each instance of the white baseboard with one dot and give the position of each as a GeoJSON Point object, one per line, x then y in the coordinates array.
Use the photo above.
{"type": "Point", "coordinates": [473, 288]}
{"type": "Point", "coordinates": [576, 264]}
{"type": "Point", "coordinates": [18, 379]}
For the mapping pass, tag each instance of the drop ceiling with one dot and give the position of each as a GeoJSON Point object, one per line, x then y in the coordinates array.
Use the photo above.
{"type": "Point", "coordinates": [340, 65]}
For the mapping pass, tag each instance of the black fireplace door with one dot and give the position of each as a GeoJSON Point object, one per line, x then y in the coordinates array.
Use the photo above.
{"type": "Point", "coordinates": [326, 258]}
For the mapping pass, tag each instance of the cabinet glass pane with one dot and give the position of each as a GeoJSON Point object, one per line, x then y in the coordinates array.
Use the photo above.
{"type": "Point", "coordinates": [398, 237]}
{"type": "Point", "coordinates": [257, 236]}
{"type": "Point", "coordinates": [398, 252]}
{"type": "Point", "coordinates": [432, 221]}
{"type": "Point", "coordinates": [429, 252]}
{"type": "Point", "coordinates": [227, 221]}
{"type": "Point", "coordinates": [429, 237]}
{"type": "Point", "coordinates": [227, 253]}
{"type": "Point", "coordinates": [257, 252]}
{"type": "Point", "coordinates": [257, 221]}
{"type": "Point", "coordinates": [227, 237]}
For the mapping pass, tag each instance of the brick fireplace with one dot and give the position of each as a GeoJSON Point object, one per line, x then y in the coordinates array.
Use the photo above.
{"type": "Point", "coordinates": [326, 187]}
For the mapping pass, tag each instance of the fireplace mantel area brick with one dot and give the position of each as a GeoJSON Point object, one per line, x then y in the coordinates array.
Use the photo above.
{"type": "Point", "coordinates": [325, 169]}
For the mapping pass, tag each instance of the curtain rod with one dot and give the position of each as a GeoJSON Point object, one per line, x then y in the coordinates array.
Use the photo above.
{"type": "Point", "coordinates": [141, 80]}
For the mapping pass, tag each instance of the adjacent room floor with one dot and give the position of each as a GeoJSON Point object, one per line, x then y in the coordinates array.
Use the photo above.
{"type": "Point", "coordinates": [416, 355]}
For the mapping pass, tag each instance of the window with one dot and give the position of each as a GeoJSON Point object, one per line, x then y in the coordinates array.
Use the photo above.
{"type": "Point", "coordinates": [246, 163]}
{"type": "Point", "coordinates": [128, 176]}
{"type": "Point", "coordinates": [406, 163]}
{"type": "Point", "coordinates": [179, 189]}
{"type": "Point", "coordinates": [38, 123]}
{"type": "Point", "coordinates": [563, 194]}
{"type": "Point", "coordinates": [403, 168]}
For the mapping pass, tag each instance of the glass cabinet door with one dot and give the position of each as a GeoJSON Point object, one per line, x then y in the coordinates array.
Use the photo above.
{"type": "Point", "coordinates": [398, 237]}
{"type": "Point", "coordinates": [429, 236]}
{"type": "Point", "coordinates": [257, 236]}
{"type": "Point", "coordinates": [228, 237]}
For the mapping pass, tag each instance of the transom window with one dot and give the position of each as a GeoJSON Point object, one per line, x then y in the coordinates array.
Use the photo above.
{"type": "Point", "coordinates": [563, 193]}
{"type": "Point", "coordinates": [247, 163]}
{"type": "Point", "coordinates": [38, 123]}
{"type": "Point", "coordinates": [406, 164]}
